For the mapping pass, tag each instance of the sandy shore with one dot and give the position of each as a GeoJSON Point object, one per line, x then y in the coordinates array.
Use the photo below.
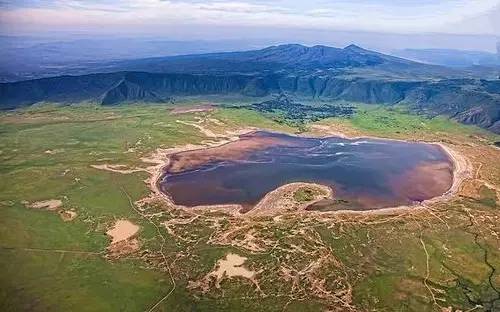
{"type": "Point", "coordinates": [161, 159]}
{"type": "Point", "coordinates": [462, 169]}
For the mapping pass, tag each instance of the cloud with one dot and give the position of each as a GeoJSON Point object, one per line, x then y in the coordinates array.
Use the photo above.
{"type": "Point", "coordinates": [365, 15]}
{"type": "Point", "coordinates": [241, 7]}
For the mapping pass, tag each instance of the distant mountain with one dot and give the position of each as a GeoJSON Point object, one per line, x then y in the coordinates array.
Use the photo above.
{"type": "Point", "coordinates": [448, 57]}
{"type": "Point", "coordinates": [294, 56]}
{"type": "Point", "coordinates": [351, 73]}
{"type": "Point", "coordinates": [289, 58]}
{"type": "Point", "coordinates": [23, 58]}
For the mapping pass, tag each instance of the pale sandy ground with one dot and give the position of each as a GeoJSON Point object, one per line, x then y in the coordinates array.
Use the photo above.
{"type": "Point", "coordinates": [53, 205]}
{"type": "Point", "coordinates": [229, 267]}
{"type": "Point", "coordinates": [50, 204]}
{"type": "Point", "coordinates": [207, 132]}
{"type": "Point", "coordinates": [68, 215]}
{"type": "Point", "coordinates": [117, 168]}
{"type": "Point", "coordinates": [123, 242]}
{"type": "Point", "coordinates": [192, 109]}
{"type": "Point", "coordinates": [122, 230]}
{"type": "Point", "coordinates": [123, 248]}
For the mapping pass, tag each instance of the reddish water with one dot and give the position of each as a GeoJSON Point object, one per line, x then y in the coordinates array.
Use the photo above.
{"type": "Point", "coordinates": [364, 173]}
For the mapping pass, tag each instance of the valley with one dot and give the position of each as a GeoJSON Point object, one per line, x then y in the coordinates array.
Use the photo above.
{"type": "Point", "coordinates": [250, 155]}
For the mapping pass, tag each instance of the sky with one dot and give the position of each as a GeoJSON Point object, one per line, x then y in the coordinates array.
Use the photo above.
{"type": "Point", "coordinates": [227, 18]}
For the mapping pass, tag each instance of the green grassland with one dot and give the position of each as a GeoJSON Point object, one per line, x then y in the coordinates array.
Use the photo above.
{"type": "Point", "coordinates": [387, 263]}
{"type": "Point", "coordinates": [305, 194]}
{"type": "Point", "coordinates": [399, 121]}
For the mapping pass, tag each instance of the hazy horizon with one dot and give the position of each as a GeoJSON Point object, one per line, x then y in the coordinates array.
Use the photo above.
{"type": "Point", "coordinates": [41, 38]}
{"type": "Point", "coordinates": [382, 42]}
{"type": "Point", "coordinates": [381, 25]}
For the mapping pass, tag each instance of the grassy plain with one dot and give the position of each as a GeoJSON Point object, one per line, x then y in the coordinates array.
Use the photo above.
{"type": "Point", "coordinates": [446, 255]}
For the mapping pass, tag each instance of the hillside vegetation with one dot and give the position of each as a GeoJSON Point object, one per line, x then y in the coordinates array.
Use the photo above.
{"type": "Point", "coordinates": [319, 72]}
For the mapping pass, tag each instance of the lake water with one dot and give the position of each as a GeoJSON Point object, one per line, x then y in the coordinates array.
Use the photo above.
{"type": "Point", "coordinates": [364, 173]}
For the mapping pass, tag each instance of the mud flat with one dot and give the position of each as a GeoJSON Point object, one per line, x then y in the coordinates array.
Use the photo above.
{"type": "Point", "coordinates": [234, 150]}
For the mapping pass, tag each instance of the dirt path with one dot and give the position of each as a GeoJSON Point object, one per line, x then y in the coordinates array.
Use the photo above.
{"type": "Point", "coordinates": [123, 169]}
{"type": "Point", "coordinates": [208, 107]}
{"type": "Point", "coordinates": [207, 132]}
{"type": "Point", "coordinates": [164, 257]}
{"type": "Point", "coordinates": [63, 251]}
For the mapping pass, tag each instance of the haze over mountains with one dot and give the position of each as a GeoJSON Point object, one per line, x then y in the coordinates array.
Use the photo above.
{"type": "Point", "coordinates": [23, 58]}
{"type": "Point", "coordinates": [450, 57]}
{"type": "Point", "coordinates": [351, 73]}
{"type": "Point", "coordinates": [37, 56]}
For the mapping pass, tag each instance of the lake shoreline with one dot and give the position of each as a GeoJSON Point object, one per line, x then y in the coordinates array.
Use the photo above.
{"type": "Point", "coordinates": [461, 170]}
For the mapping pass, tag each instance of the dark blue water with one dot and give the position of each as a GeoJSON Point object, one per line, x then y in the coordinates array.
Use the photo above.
{"type": "Point", "coordinates": [365, 173]}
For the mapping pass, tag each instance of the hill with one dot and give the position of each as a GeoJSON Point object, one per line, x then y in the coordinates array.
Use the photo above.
{"type": "Point", "coordinates": [352, 61]}
{"type": "Point", "coordinates": [351, 73]}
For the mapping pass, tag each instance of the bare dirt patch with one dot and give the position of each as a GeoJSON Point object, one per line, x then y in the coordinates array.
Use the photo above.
{"type": "Point", "coordinates": [232, 266]}
{"type": "Point", "coordinates": [67, 215]}
{"type": "Point", "coordinates": [122, 230]}
{"type": "Point", "coordinates": [123, 248]}
{"type": "Point", "coordinates": [50, 204]}
{"type": "Point", "coordinates": [53, 205]}
{"type": "Point", "coordinates": [123, 238]}
{"type": "Point", "coordinates": [229, 267]}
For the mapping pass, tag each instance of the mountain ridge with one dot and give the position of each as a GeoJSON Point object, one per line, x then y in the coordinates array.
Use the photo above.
{"type": "Point", "coordinates": [292, 69]}
{"type": "Point", "coordinates": [286, 56]}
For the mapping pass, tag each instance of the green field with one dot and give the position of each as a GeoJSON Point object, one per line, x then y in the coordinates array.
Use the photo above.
{"type": "Point", "coordinates": [445, 256]}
